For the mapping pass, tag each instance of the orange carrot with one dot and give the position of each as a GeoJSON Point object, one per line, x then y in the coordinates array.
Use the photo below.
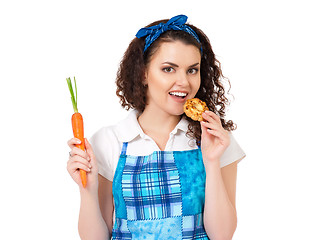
{"type": "Point", "coordinates": [77, 125]}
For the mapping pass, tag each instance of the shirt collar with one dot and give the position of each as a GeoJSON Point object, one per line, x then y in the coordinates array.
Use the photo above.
{"type": "Point", "coordinates": [182, 125]}
{"type": "Point", "coordinates": [129, 128]}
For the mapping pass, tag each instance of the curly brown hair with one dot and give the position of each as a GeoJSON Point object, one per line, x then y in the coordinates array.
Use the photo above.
{"type": "Point", "coordinates": [131, 74]}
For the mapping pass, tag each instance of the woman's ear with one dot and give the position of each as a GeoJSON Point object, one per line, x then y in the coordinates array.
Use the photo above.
{"type": "Point", "coordinates": [145, 80]}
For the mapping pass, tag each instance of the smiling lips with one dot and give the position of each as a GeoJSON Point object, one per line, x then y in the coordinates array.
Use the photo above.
{"type": "Point", "coordinates": [178, 96]}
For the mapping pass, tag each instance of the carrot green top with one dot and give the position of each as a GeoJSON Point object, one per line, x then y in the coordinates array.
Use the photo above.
{"type": "Point", "coordinates": [73, 97]}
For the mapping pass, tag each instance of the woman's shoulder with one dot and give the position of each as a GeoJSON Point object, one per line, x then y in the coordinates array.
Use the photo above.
{"type": "Point", "coordinates": [106, 147]}
{"type": "Point", "coordinates": [119, 131]}
{"type": "Point", "coordinates": [233, 153]}
{"type": "Point", "coordinates": [104, 140]}
{"type": "Point", "coordinates": [104, 133]}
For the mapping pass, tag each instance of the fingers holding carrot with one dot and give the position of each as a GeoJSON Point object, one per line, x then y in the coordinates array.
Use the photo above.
{"type": "Point", "coordinates": [72, 143]}
{"type": "Point", "coordinates": [83, 157]}
{"type": "Point", "coordinates": [78, 161]}
{"type": "Point", "coordinates": [74, 166]}
{"type": "Point", "coordinates": [89, 151]}
{"type": "Point", "coordinates": [82, 160]}
{"type": "Point", "coordinates": [92, 175]}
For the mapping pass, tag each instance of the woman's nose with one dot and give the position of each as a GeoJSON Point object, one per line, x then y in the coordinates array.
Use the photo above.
{"type": "Point", "coordinates": [182, 79]}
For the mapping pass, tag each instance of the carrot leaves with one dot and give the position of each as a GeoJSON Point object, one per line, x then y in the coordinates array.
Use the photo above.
{"type": "Point", "coordinates": [73, 96]}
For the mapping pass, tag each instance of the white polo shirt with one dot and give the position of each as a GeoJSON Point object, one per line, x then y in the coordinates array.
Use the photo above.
{"type": "Point", "coordinates": [107, 144]}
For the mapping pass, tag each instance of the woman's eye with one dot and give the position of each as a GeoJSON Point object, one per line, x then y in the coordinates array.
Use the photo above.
{"type": "Point", "coordinates": [168, 69]}
{"type": "Point", "coordinates": [193, 70]}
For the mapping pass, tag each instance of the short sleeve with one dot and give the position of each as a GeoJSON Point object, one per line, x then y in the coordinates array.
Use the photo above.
{"type": "Point", "coordinates": [103, 143]}
{"type": "Point", "coordinates": [233, 152]}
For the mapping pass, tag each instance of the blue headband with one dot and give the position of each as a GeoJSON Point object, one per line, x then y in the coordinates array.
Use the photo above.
{"type": "Point", "coordinates": [175, 23]}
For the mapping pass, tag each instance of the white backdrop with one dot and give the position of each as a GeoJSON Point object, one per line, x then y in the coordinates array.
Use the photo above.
{"type": "Point", "coordinates": [273, 52]}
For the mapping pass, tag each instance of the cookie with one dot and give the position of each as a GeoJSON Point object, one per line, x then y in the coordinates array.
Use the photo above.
{"type": "Point", "coordinates": [194, 109]}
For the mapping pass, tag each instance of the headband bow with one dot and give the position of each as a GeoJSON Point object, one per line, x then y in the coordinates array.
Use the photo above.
{"type": "Point", "coordinates": [175, 23]}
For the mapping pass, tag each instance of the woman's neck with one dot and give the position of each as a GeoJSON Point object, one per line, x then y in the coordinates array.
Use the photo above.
{"type": "Point", "coordinates": [157, 122]}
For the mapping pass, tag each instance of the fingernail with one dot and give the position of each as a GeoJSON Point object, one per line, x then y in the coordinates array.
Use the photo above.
{"type": "Point", "coordinates": [90, 166]}
{"type": "Point", "coordinates": [78, 141]}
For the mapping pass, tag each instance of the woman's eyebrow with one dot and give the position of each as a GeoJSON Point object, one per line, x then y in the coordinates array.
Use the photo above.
{"type": "Point", "coordinates": [175, 65]}
{"type": "Point", "coordinates": [172, 64]}
{"type": "Point", "coordinates": [194, 65]}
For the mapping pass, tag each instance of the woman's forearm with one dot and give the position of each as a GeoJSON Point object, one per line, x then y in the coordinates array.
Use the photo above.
{"type": "Point", "coordinates": [91, 223]}
{"type": "Point", "coordinates": [220, 218]}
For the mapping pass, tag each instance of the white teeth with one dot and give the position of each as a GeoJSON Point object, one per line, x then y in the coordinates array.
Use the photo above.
{"type": "Point", "coordinates": [180, 94]}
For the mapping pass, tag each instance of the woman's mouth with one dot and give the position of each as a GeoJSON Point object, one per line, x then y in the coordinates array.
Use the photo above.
{"type": "Point", "coordinates": [178, 96]}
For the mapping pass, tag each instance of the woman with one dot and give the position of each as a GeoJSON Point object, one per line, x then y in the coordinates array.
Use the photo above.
{"type": "Point", "coordinates": [158, 174]}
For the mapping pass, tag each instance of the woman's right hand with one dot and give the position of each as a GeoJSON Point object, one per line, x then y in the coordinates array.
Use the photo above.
{"type": "Point", "coordinates": [85, 160]}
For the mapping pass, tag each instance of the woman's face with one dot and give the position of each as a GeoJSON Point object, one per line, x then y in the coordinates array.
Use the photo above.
{"type": "Point", "coordinates": [173, 76]}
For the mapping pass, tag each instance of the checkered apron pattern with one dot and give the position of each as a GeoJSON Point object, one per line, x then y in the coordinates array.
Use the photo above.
{"type": "Point", "coordinates": [159, 196]}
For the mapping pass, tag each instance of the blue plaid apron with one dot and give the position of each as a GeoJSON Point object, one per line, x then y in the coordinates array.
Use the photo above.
{"type": "Point", "coordinates": [159, 196]}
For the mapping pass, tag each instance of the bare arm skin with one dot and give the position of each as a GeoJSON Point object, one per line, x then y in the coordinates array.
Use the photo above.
{"type": "Point", "coordinates": [106, 201]}
{"type": "Point", "coordinates": [220, 217]}
{"type": "Point", "coordinates": [92, 225]}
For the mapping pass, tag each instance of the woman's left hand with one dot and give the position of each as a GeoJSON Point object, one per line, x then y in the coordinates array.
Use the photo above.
{"type": "Point", "coordinates": [215, 139]}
